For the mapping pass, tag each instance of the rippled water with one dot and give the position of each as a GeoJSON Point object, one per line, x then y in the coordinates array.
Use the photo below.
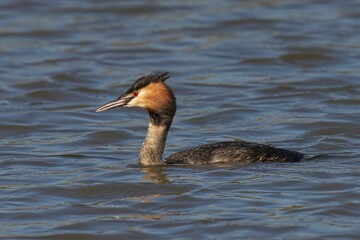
{"type": "Point", "coordinates": [278, 72]}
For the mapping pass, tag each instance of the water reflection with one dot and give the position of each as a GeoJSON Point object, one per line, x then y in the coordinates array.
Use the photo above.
{"type": "Point", "coordinates": [155, 173]}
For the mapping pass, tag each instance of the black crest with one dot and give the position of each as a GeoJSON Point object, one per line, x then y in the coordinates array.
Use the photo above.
{"type": "Point", "coordinates": [147, 79]}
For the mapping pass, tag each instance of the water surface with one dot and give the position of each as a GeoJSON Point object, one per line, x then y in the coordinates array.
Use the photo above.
{"type": "Point", "coordinates": [278, 72]}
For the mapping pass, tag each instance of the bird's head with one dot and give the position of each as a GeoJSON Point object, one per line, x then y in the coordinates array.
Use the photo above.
{"type": "Point", "coordinates": [149, 92]}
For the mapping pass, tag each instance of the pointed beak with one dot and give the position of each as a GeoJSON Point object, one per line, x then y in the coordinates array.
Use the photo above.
{"type": "Point", "coordinates": [122, 101]}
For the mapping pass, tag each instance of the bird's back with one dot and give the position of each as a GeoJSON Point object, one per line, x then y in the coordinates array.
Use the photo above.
{"type": "Point", "coordinates": [233, 152]}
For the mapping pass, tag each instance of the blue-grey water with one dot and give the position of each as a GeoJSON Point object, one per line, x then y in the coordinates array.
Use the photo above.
{"type": "Point", "coordinates": [286, 73]}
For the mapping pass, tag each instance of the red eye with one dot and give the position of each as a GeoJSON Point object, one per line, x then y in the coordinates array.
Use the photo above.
{"type": "Point", "coordinates": [135, 94]}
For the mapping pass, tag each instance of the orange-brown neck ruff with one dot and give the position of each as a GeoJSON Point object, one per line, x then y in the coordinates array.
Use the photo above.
{"type": "Point", "coordinates": [162, 102]}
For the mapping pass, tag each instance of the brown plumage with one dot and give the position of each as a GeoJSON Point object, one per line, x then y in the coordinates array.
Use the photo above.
{"type": "Point", "coordinates": [151, 93]}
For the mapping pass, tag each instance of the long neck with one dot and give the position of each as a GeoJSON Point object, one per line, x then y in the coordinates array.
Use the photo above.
{"type": "Point", "coordinates": [154, 144]}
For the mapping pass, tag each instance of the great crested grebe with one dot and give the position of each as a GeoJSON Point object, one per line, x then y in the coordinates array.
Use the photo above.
{"type": "Point", "coordinates": [151, 92]}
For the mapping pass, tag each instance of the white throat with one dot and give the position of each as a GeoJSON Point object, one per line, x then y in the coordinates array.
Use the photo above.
{"type": "Point", "coordinates": [154, 144]}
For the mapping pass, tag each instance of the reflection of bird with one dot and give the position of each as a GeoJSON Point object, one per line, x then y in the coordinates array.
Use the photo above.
{"type": "Point", "coordinates": [150, 92]}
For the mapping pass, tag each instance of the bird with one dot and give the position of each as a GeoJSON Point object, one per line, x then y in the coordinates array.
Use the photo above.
{"type": "Point", "coordinates": [150, 92]}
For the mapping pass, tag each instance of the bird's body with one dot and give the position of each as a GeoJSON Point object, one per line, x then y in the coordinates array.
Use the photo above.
{"type": "Point", "coordinates": [233, 152]}
{"type": "Point", "coordinates": [150, 92]}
